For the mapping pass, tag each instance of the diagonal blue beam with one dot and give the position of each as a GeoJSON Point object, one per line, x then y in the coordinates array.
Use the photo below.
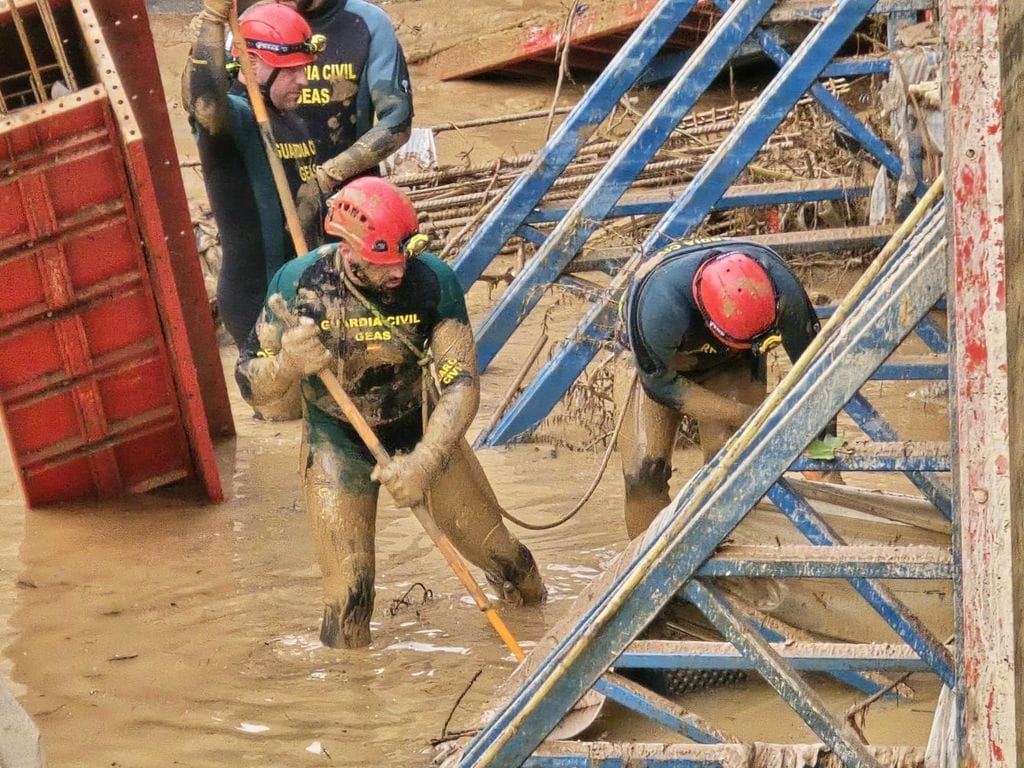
{"type": "Point", "coordinates": [569, 360]}
{"type": "Point", "coordinates": [780, 675]}
{"type": "Point", "coordinates": [857, 680]}
{"type": "Point", "coordinates": [592, 207]}
{"type": "Point", "coordinates": [870, 421]}
{"type": "Point", "coordinates": [878, 596]}
{"type": "Point", "coordinates": [768, 40]}
{"type": "Point", "coordinates": [794, 78]}
{"type": "Point", "coordinates": [527, 190]}
{"type": "Point", "coordinates": [711, 505]}
{"type": "Point", "coordinates": [658, 709]}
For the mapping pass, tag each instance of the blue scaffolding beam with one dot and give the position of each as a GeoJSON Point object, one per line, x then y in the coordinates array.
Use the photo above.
{"type": "Point", "coordinates": [688, 533]}
{"type": "Point", "coordinates": [798, 73]}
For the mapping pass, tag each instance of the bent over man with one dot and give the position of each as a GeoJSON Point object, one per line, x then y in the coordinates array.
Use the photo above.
{"type": "Point", "coordinates": [236, 172]}
{"type": "Point", "coordinates": [381, 316]}
{"type": "Point", "coordinates": [699, 320]}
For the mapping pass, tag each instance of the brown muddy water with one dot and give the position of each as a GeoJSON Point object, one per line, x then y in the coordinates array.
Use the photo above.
{"type": "Point", "coordinates": [157, 631]}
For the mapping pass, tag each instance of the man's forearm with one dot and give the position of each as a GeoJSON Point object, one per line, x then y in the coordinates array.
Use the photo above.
{"type": "Point", "coordinates": [262, 381]}
{"type": "Point", "coordinates": [695, 400]}
{"type": "Point", "coordinates": [368, 152]}
{"type": "Point", "coordinates": [205, 80]}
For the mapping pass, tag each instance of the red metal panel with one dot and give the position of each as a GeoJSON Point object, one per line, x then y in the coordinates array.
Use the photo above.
{"type": "Point", "coordinates": [604, 25]}
{"type": "Point", "coordinates": [153, 164]}
{"type": "Point", "coordinates": [989, 529]}
{"type": "Point", "coordinates": [89, 401]}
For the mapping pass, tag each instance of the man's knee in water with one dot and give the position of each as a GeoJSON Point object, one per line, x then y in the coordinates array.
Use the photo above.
{"type": "Point", "coordinates": [650, 480]}
{"type": "Point", "coordinates": [346, 624]}
{"type": "Point", "coordinates": [517, 580]}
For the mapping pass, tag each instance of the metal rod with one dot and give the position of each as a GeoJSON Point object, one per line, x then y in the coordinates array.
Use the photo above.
{"type": "Point", "coordinates": [53, 34]}
{"type": "Point", "coordinates": [35, 77]}
{"type": "Point", "coordinates": [499, 119]}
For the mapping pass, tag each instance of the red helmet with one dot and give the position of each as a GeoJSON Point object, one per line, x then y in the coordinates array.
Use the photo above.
{"type": "Point", "coordinates": [376, 219]}
{"type": "Point", "coordinates": [278, 35]}
{"type": "Point", "coordinates": [736, 297]}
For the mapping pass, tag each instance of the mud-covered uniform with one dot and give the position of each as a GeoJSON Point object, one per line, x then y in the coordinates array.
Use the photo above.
{"type": "Point", "coordinates": [359, 99]}
{"type": "Point", "coordinates": [380, 373]}
{"type": "Point", "coordinates": [668, 336]}
{"type": "Point", "coordinates": [238, 179]}
{"type": "Point", "coordinates": [383, 376]}
{"type": "Point", "coordinates": [673, 350]}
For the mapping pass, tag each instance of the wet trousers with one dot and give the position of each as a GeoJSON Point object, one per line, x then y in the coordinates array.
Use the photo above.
{"type": "Point", "coordinates": [648, 435]}
{"type": "Point", "coordinates": [341, 502]}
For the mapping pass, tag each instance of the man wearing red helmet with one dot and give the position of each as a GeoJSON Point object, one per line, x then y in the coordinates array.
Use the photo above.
{"type": "Point", "coordinates": [393, 327]}
{"type": "Point", "coordinates": [236, 172]}
{"type": "Point", "coordinates": [699, 320]}
{"type": "Point", "coordinates": [358, 103]}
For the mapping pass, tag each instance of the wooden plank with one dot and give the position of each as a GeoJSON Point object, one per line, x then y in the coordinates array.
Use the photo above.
{"type": "Point", "coordinates": [812, 241]}
{"type": "Point", "coordinates": [561, 753]}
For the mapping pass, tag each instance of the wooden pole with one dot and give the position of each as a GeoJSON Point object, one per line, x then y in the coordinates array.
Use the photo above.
{"type": "Point", "coordinates": [259, 110]}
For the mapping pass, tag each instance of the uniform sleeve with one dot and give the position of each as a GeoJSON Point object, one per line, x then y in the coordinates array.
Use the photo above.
{"type": "Point", "coordinates": [253, 371]}
{"type": "Point", "coordinates": [205, 80]}
{"type": "Point", "coordinates": [388, 78]}
{"type": "Point", "coordinates": [452, 342]}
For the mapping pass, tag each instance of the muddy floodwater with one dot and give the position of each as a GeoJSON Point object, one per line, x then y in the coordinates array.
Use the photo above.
{"type": "Point", "coordinates": [160, 631]}
{"type": "Point", "coordinates": [157, 630]}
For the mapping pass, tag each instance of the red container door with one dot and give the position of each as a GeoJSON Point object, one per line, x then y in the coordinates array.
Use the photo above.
{"type": "Point", "coordinates": [86, 389]}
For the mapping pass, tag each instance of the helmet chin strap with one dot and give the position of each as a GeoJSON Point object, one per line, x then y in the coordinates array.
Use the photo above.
{"type": "Point", "coordinates": [265, 87]}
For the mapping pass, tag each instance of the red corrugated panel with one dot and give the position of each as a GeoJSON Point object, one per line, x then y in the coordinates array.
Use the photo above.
{"type": "Point", "coordinates": [90, 395]}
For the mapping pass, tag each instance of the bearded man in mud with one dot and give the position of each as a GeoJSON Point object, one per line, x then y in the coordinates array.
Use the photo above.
{"type": "Point", "coordinates": [380, 314]}
{"type": "Point", "coordinates": [699, 321]}
{"type": "Point", "coordinates": [357, 105]}
{"type": "Point", "coordinates": [236, 172]}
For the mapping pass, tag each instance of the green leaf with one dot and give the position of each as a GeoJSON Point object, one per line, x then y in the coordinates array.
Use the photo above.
{"type": "Point", "coordinates": [823, 450]}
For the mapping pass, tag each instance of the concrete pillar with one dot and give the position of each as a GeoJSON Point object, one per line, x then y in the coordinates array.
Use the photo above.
{"type": "Point", "coordinates": [984, 100]}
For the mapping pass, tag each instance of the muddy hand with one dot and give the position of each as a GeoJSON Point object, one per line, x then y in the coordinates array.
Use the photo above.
{"type": "Point", "coordinates": [408, 477]}
{"type": "Point", "coordinates": [302, 353]}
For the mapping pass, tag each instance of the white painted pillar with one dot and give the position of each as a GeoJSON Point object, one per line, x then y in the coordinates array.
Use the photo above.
{"type": "Point", "coordinates": [984, 101]}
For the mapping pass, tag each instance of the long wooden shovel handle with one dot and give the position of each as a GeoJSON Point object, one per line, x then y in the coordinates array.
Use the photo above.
{"type": "Point", "coordinates": [259, 110]}
{"type": "Point", "coordinates": [441, 541]}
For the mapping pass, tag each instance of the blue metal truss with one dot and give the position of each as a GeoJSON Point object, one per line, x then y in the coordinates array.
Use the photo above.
{"type": "Point", "coordinates": [527, 190]}
{"type": "Point", "coordinates": [629, 158]}
{"type": "Point", "coordinates": [797, 74]}
{"type": "Point", "coordinates": [710, 188]}
{"type": "Point", "coordinates": [687, 539]}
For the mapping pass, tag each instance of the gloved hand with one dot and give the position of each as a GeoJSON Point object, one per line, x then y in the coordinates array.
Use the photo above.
{"type": "Point", "coordinates": [309, 206]}
{"type": "Point", "coordinates": [336, 170]}
{"type": "Point", "coordinates": [408, 477]}
{"type": "Point", "coordinates": [302, 354]}
{"type": "Point", "coordinates": [216, 11]}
